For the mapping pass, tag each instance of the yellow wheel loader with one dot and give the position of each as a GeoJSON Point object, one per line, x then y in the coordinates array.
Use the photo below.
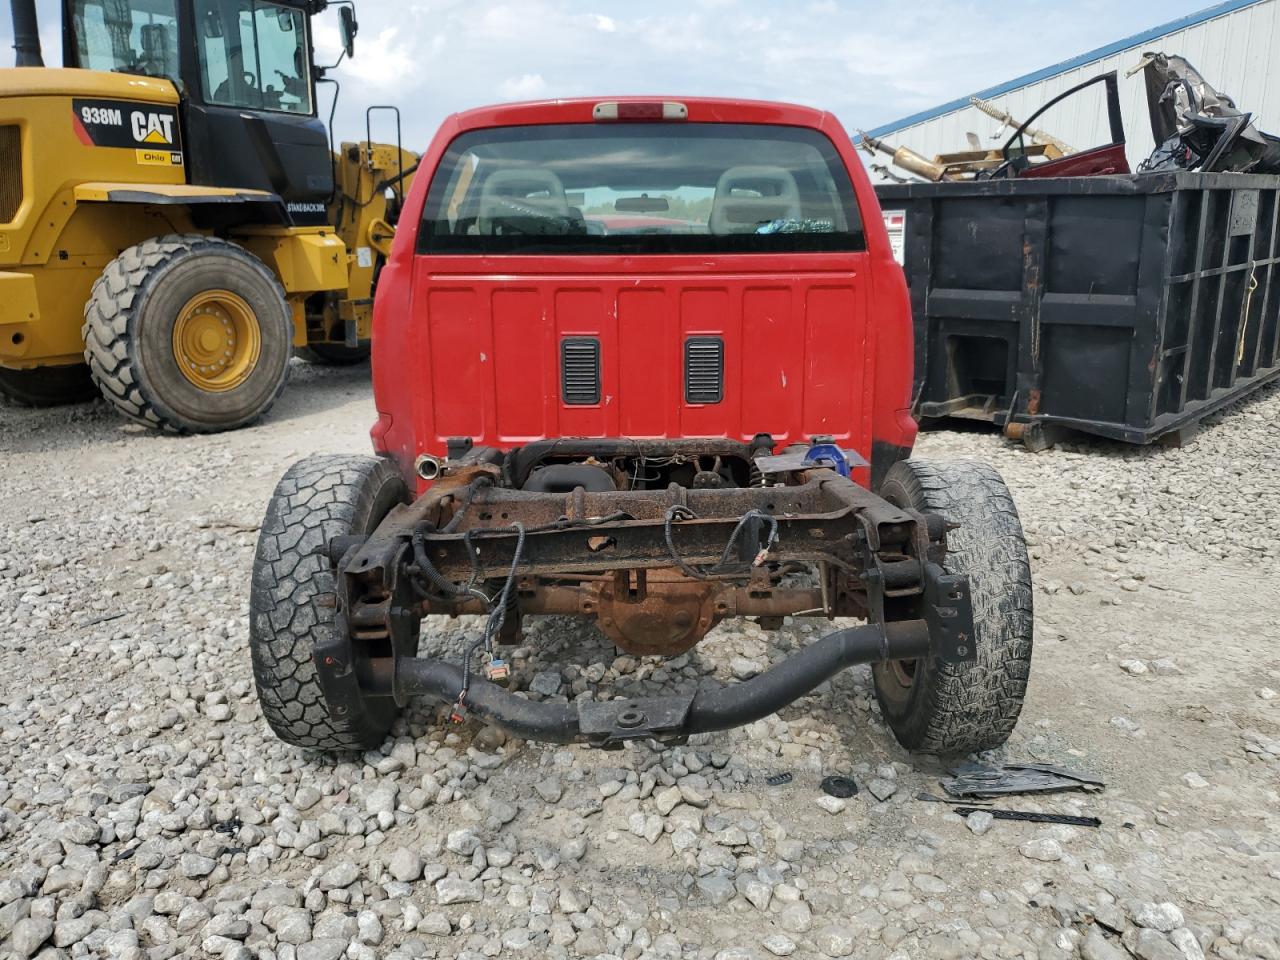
{"type": "Point", "coordinates": [174, 223]}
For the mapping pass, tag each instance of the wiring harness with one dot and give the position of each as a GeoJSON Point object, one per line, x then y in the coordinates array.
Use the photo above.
{"type": "Point", "coordinates": [437, 586]}
{"type": "Point", "coordinates": [679, 512]}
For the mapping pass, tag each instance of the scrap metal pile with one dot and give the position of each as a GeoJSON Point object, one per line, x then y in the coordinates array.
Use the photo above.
{"type": "Point", "coordinates": [1195, 126]}
{"type": "Point", "coordinates": [1198, 128]}
{"type": "Point", "coordinates": [975, 163]}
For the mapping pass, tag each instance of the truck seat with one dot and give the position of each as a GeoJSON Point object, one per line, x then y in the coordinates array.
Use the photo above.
{"type": "Point", "coordinates": [525, 193]}
{"type": "Point", "coordinates": [746, 197]}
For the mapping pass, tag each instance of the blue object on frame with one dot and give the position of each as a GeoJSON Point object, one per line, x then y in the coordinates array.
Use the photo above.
{"type": "Point", "coordinates": [829, 455]}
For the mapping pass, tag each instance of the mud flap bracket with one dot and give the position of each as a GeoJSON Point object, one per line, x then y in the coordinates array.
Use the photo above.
{"type": "Point", "coordinates": [948, 611]}
{"type": "Point", "coordinates": [386, 623]}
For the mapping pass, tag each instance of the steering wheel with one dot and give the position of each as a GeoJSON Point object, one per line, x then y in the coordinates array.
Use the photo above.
{"type": "Point", "coordinates": [250, 80]}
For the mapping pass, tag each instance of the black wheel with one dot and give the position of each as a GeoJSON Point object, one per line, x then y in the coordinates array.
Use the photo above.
{"type": "Point", "coordinates": [963, 708]}
{"type": "Point", "coordinates": [190, 334]}
{"type": "Point", "coordinates": [335, 354]}
{"type": "Point", "coordinates": [48, 386]}
{"type": "Point", "coordinates": [292, 602]}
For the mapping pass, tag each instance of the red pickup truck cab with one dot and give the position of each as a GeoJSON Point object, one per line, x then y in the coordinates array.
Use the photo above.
{"type": "Point", "coordinates": [766, 249]}
{"type": "Point", "coordinates": [645, 361]}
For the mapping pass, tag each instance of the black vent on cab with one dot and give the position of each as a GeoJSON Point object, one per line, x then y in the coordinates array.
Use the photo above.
{"type": "Point", "coordinates": [703, 370]}
{"type": "Point", "coordinates": [580, 370]}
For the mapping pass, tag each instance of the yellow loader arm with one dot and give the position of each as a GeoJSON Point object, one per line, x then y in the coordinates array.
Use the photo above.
{"type": "Point", "coordinates": [371, 180]}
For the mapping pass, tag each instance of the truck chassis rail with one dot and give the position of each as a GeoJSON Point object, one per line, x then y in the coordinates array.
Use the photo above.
{"type": "Point", "coordinates": [656, 569]}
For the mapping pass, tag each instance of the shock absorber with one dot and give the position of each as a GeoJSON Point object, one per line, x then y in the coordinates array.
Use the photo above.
{"type": "Point", "coordinates": [761, 446]}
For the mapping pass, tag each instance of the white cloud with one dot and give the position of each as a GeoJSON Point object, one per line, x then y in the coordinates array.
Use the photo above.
{"type": "Point", "coordinates": [524, 87]}
{"type": "Point", "coordinates": [866, 61]}
{"type": "Point", "coordinates": [383, 61]}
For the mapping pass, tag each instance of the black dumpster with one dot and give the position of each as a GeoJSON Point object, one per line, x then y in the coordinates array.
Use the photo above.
{"type": "Point", "coordinates": [1124, 306]}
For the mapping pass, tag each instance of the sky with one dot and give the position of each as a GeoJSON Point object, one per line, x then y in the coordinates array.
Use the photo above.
{"type": "Point", "coordinates": [869, 63]}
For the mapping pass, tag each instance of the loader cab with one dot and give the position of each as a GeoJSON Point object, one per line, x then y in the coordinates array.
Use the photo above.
{"type": "Point", "coordinates": [247, 76]}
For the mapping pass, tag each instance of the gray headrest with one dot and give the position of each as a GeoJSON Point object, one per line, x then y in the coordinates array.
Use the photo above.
{"type": "Point", "coordinates": [535, 188]}
{"type": "Point", "coordinates": [746, 197]}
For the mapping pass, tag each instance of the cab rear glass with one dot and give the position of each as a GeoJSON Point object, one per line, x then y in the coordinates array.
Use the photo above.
{"type": "Point", "coordinates": [641, 188]}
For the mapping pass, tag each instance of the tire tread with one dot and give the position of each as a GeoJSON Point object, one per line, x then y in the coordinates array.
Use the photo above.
{"type": "Point", "coordinates": [107, 321]}
{"type": "Point", "coordinates": [974, 706]}
{"type": "Point", "coordinates": [292, 598]}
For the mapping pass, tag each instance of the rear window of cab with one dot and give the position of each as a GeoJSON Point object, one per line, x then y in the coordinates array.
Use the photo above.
{"type": "Point", "coordinates": [641, 188]}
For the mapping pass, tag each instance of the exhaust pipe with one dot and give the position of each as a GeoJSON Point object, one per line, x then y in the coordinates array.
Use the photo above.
{"type": "Point", "coordinates": [428, 467]}
{"type": "Point", "coordinates": [26, 34]}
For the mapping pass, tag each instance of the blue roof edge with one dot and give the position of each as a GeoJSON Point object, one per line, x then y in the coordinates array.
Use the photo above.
{"type": "Point", "coordinates": [1190, 20]}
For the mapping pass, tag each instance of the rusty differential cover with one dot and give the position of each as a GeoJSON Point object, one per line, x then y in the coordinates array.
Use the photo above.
{"type": "Point", "coordinates": [656, 612]}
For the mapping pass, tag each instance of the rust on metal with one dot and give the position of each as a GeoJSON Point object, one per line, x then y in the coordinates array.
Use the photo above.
{"type": "Point", "coordinates": [668, 616]}
{"type": "Point", "coordinates": [656, 612]}
{"type": "Point", "coordinates": [605, 556]}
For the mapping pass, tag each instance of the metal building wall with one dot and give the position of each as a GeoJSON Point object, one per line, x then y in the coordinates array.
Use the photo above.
{"type": "Point", "coordinates": [1238, 52]}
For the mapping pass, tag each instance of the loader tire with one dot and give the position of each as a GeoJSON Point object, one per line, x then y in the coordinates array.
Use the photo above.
{"type": "Point", "coordinates": [188, 334]}
{"type": "Point", "coordinates": [48, 386]}
{"type": "Point", "coordinates": [336, 354]}
{"type": "Point", "coordinates": [292, 601]}
{"type": "Point", "coordinates": [950, 709]}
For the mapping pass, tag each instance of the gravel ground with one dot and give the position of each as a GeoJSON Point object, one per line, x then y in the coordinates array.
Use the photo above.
{"type": "Point", "coordinates": [146, 811]}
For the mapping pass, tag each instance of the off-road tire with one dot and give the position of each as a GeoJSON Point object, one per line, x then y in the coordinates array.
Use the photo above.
{"type": "Point", "coordinates": [292, 602]}
{"type": "Point", "coordinates": [336, 354]}
{"type": "Point", "coordinates": [950, 709]}
{"type": "Point", "coordinates": [128, 333]}
{"type": "Point", "coordinates": [48, 386]}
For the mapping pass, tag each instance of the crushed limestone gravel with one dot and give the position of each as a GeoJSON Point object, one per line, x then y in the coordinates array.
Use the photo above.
{"type": "Point", "coordinates": [147, 812]}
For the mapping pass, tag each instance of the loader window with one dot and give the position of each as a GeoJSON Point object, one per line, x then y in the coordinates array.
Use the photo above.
{"type": "Point", "coordinates": [641, 188]}
{"type": "Point", "coordinates": [254, 55]}
{"type": "Point", "coordinates": [134, 36]}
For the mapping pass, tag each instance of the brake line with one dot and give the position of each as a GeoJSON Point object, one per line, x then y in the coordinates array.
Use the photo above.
{"type": "Point", "coordinates": [681, 512]}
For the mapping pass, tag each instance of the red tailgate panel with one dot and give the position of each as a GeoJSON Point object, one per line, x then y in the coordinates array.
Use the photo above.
{"type": "Point", "coordinates": [795, 356]}
{"type": "Point", "coordinates": [522, 333]}
{"type": "Point", "coordinates": [834, 368]}
{"type": "Point", "coordinates": [776, 354]}
{"type": "Point", "coordinates": [711, 308]}
{"type": "Point", "coordinates": [458, 347]}
{"type": "Point", "coordinates": [581, 310]}
{"type": "Point", "coordinates": [646, 345]}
